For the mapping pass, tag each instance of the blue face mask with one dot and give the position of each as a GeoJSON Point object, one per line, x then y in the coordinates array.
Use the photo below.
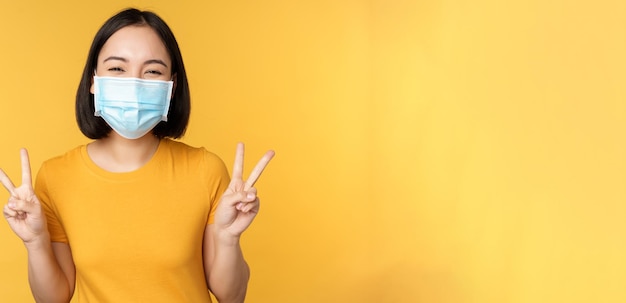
{"type": "Point", "coordinates": [132, 106]}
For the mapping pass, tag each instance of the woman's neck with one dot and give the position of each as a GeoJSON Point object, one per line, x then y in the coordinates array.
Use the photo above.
{"type": "Point", "coordinates": [118, 154]}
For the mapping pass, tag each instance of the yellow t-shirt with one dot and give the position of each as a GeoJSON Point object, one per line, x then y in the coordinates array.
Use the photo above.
{"type": "Point", "coordinates": [136, 236]}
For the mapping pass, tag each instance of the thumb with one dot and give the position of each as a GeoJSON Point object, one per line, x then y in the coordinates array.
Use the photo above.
{"type": "Point", "coordinates": [236, 197]}
{"type": "Point", "coordinates": [28, 207]}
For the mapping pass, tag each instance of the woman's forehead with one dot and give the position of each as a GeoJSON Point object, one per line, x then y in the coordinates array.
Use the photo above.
{"type": "Point", "coordinates": [135, 43]}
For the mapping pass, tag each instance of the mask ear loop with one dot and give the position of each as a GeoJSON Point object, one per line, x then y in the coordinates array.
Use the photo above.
{"type": "Point", "coordinates": [173, 79]}
{"type": "Point", "coordinates": [93, 82]}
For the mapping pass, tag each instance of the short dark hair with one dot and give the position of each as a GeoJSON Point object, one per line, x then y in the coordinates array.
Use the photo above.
{"type": "Point", "coordinates": [178, 116]}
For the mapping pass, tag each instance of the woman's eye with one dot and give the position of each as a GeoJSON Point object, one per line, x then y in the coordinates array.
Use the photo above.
{"type": "Point", "coordinates": [154, 72]}
{"type": "Point", "coordinates": [116, 69]}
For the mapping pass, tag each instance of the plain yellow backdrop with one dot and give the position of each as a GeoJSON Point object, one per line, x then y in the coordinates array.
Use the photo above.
{"type": "Point", "coordinates": [427, 151]}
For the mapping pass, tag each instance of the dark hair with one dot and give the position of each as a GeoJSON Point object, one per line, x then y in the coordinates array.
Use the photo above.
{"type": "Point", "coordinates": [178, 116]}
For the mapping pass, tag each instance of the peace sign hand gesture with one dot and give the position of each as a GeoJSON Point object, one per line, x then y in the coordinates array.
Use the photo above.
{"type": "Point", "coordinates": [23, 211]}
{"type": "Point", "coordinates": [240, 204]}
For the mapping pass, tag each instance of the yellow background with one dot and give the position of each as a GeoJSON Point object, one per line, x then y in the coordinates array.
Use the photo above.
{"type": "Point", "coordinates": [427, 151]}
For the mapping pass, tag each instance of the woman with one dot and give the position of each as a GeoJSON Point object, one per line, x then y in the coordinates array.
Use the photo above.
{"type": "Point", "coordinates": [134, 216]}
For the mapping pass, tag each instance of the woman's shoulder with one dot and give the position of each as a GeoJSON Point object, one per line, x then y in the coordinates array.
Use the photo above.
{"type": "Point", "coordinates": [62, 165]}
{"type": "Point", "coordinates": [186, 151]}
{"type": "Point", "coordinates": [68, 158]}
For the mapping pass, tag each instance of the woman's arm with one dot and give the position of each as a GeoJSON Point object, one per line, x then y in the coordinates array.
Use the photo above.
{"type": "Point", "coordinates": [226, 271]}
{"type": "Point", "coordinates": [51, 271]}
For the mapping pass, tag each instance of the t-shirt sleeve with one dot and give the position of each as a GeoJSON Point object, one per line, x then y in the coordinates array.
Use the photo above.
{"type": "Point", "coordinates": [218, 180]}
{"type": "Point", "coordinates": [42, 191]}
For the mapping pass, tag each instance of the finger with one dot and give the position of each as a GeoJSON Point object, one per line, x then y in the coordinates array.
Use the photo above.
{"type": "Point", "coordinates": [6, 182]}
{"type": "Point", "coordinates": [23, 206]}
{"type": "Point", "coordinates": [26, 176]}
{"type": "Point", "coordinates": [238, 166]}
{"type": "Point", "coordinates": [258, 169]}
{"type": "Point", "coordinates": [248, 196]}
{"type": "Point", "coordinates": [231, 200]}
{"type": "Point", "coordinates": [9, 213]}
{"type": "Point", "coordinates": [252, 206]}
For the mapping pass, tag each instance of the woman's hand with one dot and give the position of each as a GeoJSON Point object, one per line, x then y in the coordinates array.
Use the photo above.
{"type": "Point", "coordinates": [240, 204]}
{"type": "Point", "coordinates": [23, 210]}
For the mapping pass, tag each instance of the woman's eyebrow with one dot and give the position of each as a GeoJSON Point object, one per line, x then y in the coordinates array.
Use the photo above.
{"type": "Point", "coordinates": [151, 61]}
{"type": "Point", "coordinates": [115, 58]}
{"type": "Point", "coordinates": [157, 61]}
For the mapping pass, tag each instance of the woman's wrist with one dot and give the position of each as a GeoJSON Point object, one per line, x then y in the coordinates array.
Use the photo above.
{"type": "Point", "coordinates": [224, 238]}
{"type": "Point", "coordinates": [37, 243]}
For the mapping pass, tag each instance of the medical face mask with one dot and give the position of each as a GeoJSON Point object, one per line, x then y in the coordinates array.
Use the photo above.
{"type": "Point", "coordinates": [132, 106]}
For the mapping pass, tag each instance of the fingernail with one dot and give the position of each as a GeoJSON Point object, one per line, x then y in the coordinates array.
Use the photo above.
{"type": "Point", "coordinates": [12, 204]}
{"type": "Point", "coordinates": [250, 196]}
